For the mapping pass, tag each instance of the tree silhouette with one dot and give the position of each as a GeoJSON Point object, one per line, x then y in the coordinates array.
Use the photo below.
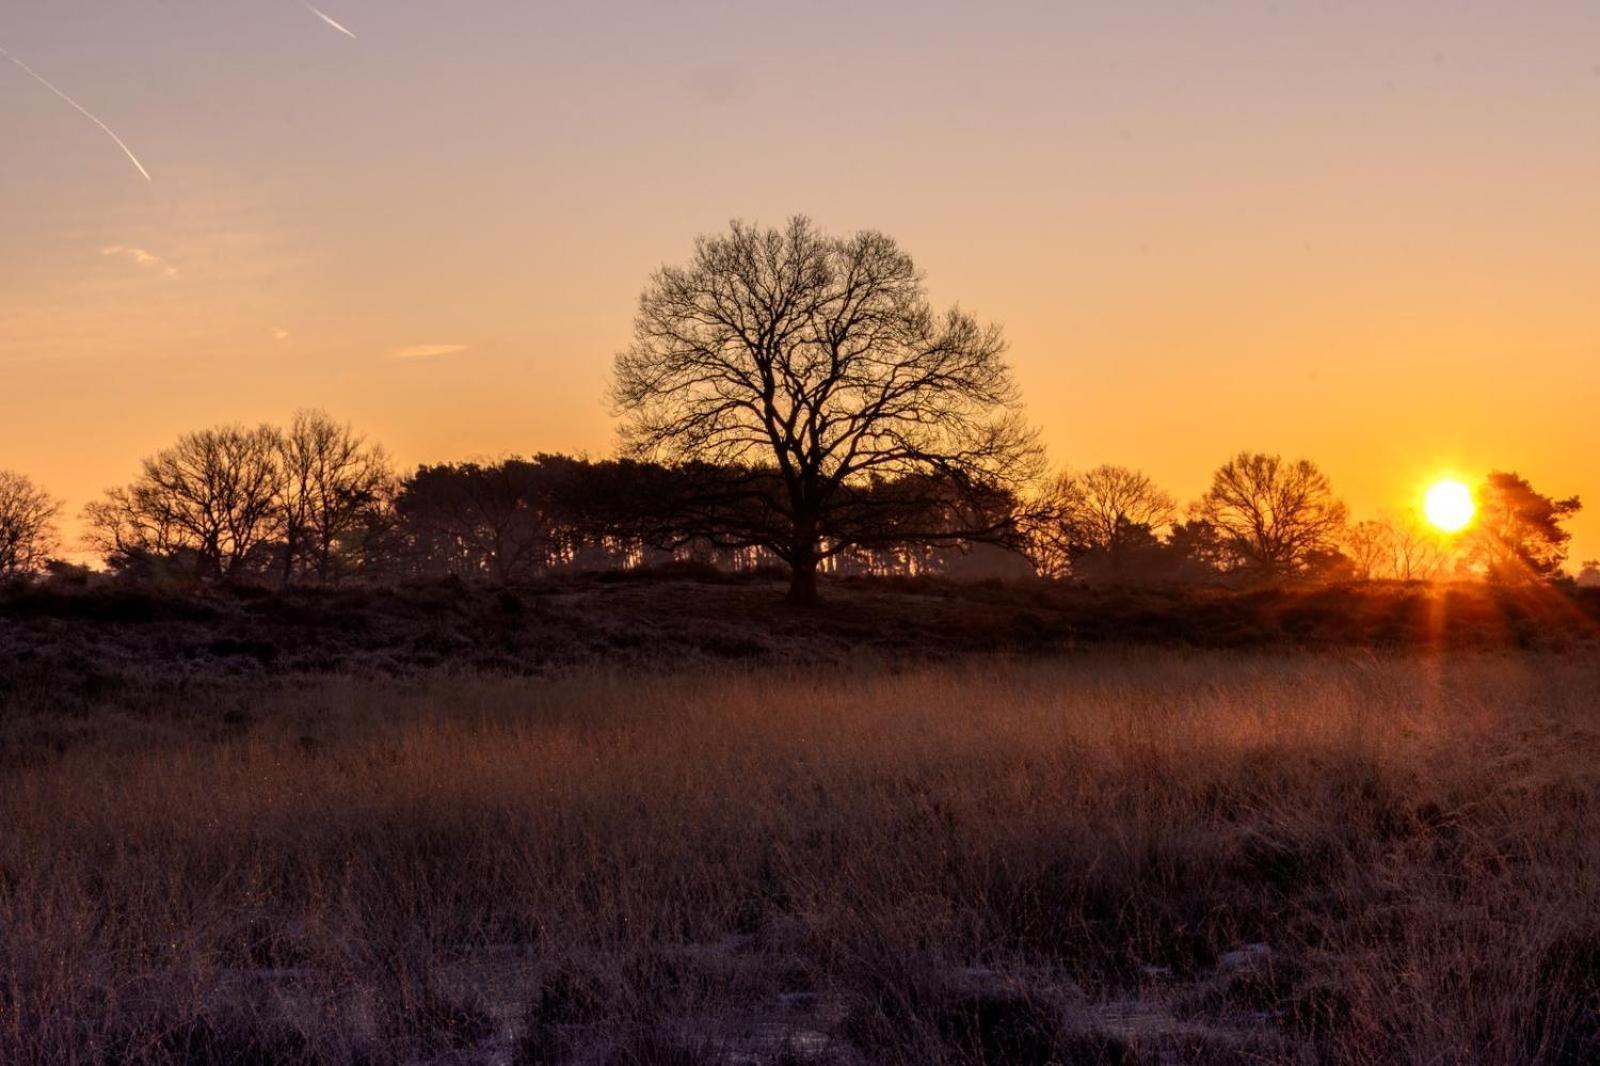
{"type": "Point", "coordinates": [27, 525]}
{"type": "Point", "coordinates": [1518, 536]}
{"type": "Point", "coordinates": [213, 498]}
{"type": "Point", "coordinates": [1273, 516]}
{"type": "Point", "coordinates": [1195, 551]}
{"type": "Point", "coordinates": [815, 364]}
{"type": "Point", "coordinates": [503, 522]}
{"type": "Point", "coordinates": [1109, 512]}
{"type": "Point", "coordinates": [1369, 547]}
{"type": "Point", "coordinates": [331, 483]}
{"type": "Point", "coordinates": [1417, 552]}
{"type": "Point", "coordinates": [1395, 547]}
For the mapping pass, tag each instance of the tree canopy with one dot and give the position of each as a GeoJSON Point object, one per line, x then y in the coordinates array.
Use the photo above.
{"type": "Point", "coordinates": [1273, 516]}
{"type": "Point", "coordinates": [1519, 535]}
{"type": "Point", "coordinates": [817, 366]}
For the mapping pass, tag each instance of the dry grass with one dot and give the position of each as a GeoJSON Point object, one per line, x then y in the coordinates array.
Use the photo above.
{"type": "Point", "coordinates": [1140, 857]}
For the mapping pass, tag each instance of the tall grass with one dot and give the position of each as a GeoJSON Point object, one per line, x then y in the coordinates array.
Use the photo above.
{"type": "Point", "coordinates": [1148, 856]}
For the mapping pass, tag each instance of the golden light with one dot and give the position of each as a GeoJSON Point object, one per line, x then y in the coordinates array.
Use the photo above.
{"type": "Point", "coordinates": [1449, 505]}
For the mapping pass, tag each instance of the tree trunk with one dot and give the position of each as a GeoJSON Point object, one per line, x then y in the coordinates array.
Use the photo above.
{"type": "Point", "coordinates": [803, 581]}
{"type": "Point", "coordinates": [804, 554]}
{"type": "Point", "coordinates": [290, 547]}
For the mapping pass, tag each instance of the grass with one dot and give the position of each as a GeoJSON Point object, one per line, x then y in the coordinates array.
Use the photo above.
{"type": "Point", "coordinates": [65, 647]}
{"type": "Point", "coordinates": [1144, 856]}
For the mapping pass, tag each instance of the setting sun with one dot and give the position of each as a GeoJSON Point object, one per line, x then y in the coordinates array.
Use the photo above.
{"type": "Point", "coordinates": [1449, 506]}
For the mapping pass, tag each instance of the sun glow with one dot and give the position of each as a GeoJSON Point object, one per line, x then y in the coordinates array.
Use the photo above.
{"type": "Point", "coordinates": [1449, 505]}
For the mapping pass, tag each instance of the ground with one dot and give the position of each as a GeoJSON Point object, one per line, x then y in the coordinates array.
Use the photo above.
{"type": "Point", "coordinates": [866, 837]}
{"type": "Point", "coordinates": [72, 645]}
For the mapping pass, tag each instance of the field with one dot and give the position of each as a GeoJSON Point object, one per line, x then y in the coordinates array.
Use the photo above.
{"type": "Point", "coordinates": [1141, 855]}
{"type": "Point", "coordinates": [82, 649]}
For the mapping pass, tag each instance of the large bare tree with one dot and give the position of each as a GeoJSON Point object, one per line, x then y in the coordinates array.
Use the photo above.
{"type": "Point", "coordinates": [1273, 515]}
{"type": "Point", "coordinates": [819, 362]}
{"type": "Point", "coordinates": [27, 525]}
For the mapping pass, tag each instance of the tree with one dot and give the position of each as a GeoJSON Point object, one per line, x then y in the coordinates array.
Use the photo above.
{"type": "Point", "coordinates": [1273, 516]}
{"type": "Point", "coordinates": [1109, 512]}
{"type": "Point", "coordinates": [1518, 535]}
{"type": "Point", "coordinates": [515, 519]}
{"type": "Point", "coordinates": [1368, 547]}
{"type": "Point", "coordinates": [1589, 576]}
{"type": "Point", "coordinates": [213, 498]}
{"type": "Point", "coordinates": [1395, 547]}
{"type": "Point", "coordinates": [332, 481]}
{"type": "Point", "coordinates": [1194, 552]}
{"type": "Point", "coordinates": [27, 525]}
{"type": "Point", "coordinates": [805, 366]}
{"type": "Point", "coordinates": [1417, 552]}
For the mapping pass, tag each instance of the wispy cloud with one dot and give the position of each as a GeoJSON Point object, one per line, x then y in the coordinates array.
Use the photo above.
{"type": "Point", "coordinates": [280, 334]}
{"type": "Point", "coordinates": [426, 351]}
{"type": "Point", "coordinates": [145, 259]}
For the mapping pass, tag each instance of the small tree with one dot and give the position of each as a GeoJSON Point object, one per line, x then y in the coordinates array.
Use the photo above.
{"type": "Point", "coordinates": [27, 525]}
{"type": "Point", "coordinates": [1109, 512]}
{"type": "Point", "coordinates": [1518, 536]}
{"type": "Point", "coordinates": [332, 481]}
{"type": "Point", "coordinates": [1194, 552]}
{"type": "Point", "coordinates": [1416, 550]}
{"type": "Point", "coordinates": [1273, 516]}
{"type": "Point", "coordinates": [1367, 545]}
{"type": "Point", "coordinates": [1589, 576]}
{"type": "Point", "coordinates": [815, 364]}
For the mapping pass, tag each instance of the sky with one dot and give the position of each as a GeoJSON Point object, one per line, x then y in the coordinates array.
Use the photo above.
{"type": "Point", "coordinates": [1364, 233]}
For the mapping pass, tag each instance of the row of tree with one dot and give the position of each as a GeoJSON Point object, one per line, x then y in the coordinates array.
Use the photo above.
{"type": "Point", "coordinates": [789, 397]}
{"type": "Point", "coordinates": [314, 503]}
{"type": "Point", "coordinates": [1265, 517]}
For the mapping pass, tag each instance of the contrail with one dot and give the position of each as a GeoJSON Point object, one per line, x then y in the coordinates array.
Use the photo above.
{"type": "Point", "coordinates": [328, 20]}
{"type": "Point", "coordinates": [40, 78]}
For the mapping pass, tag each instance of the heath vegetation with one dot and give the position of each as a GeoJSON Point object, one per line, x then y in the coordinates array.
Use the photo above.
{"type": "Point", "coordinates": [1141, 856]}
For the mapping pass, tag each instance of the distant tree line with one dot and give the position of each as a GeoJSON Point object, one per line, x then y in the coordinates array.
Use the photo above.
{"type": "Point", "coordinates": [313, 503]}
{"type": "Point", "coordinates": [1265, 518]}
{"type": "Point", "coordinates": [789, 400]}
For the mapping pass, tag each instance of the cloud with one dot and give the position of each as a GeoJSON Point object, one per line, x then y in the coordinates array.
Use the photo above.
{"type": "Point", "coordinates": [426, 351]}
{"type": "Point", "coordinates": [145, 259]}
{"type": "Point", "coordinates": [280, 334]}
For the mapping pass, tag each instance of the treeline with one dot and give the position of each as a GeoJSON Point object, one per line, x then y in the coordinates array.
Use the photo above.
{"type": "Point", "coordinates": [315, 503]}
{"type": "Point", "coordinates": [1267, 518]}
{"type": "Point", "coordinates": [790, 398]}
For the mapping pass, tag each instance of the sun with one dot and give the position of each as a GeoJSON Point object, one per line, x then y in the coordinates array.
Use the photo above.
{"type": "Point", "coordinates": [1449, 505]}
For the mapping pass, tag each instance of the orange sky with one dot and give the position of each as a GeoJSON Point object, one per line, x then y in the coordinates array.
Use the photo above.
{"type": "Point", "coordinates": [1365, 233]}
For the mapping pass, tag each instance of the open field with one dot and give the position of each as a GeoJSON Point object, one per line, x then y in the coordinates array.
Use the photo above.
{"type": "Point", "coordinates": [64, 647]}
{"type": "Point", "coordinates": [1114, 856]}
